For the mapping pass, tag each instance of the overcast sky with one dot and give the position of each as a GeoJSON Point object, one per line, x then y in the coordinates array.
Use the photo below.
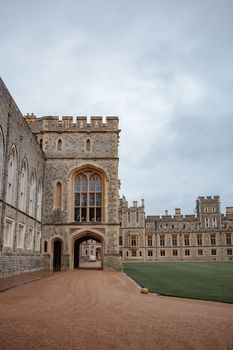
{"type": "Point", "coordinates": [164, 67]}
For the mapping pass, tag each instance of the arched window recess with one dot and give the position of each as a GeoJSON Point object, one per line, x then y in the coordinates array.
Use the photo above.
{"type": "Point", "coordinates": [88, 196]}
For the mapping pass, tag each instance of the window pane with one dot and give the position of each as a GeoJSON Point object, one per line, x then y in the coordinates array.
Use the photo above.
{"type": "Point", "coordinates": [84, 184]}
{"type": "Point", "coordinates": [98, 214]}
{"type": "Point", "coordinates": [84, 199]}
{"type": "Point", "coordinates": [77, 214]}
{"type": "Point", "coordinates": [98, 184]}
{"type": "Point", "coordinates": [92, 200]}
{"type": "Point", "coordinates": [92, 184]}
{"type": "Point", "coordinates": [84, 214]}
{"type": "Point", "coordinates": [77, 187]}
{"type": "Point", "coordinates": [77, 199]}
{"type": "Point", "coordinates": [92, 214]}
{"type": "Point", "coordinates": [98, 199]}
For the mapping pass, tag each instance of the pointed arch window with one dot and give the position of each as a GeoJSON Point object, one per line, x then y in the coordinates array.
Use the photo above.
{"type": "Point", "coordinates": [1, 157]}
{"type": "Point", "coordinates": [88, 145]}
{"type": "Point", "coordinates": [58, 195]}
{"type": "Point", "coordinates": [59, 145]}
{"type": "Point", "coordinates": [11, 178]}
{"type": "Point", "coordinates": [39, 201]}
{"type": "Point", "coordinates": [32, 195]}
{"type": "Point", "coordinates": [88, 197]}
{"type": "Point", "coordinates": [23, 186]}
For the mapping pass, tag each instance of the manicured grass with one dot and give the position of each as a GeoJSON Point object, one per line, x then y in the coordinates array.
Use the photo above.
{"type": "Point", "coordinates": [207, 281]}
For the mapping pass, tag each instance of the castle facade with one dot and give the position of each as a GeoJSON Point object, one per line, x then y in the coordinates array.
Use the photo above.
{"type": "Point", "coordinates": [59, 201]}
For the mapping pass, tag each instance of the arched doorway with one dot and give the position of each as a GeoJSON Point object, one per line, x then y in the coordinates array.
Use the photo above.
{"type": "Point", "coordinates": [87, 250]}
{"type": "Point", "coordinates": [57, 255]}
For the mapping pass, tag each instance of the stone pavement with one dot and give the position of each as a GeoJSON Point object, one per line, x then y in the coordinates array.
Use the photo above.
{"type": "Point", "coordinates": [98, 310]}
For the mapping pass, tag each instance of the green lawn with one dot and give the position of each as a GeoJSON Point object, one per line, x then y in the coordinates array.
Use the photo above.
{"type": "Point", "coordinates": [207, 281]}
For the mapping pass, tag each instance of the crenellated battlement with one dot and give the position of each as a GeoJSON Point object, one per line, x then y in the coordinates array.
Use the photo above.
{"type": "Point", "coordinates": [68, 123]}
{"type": "Point", "coordinates": [208, 198]}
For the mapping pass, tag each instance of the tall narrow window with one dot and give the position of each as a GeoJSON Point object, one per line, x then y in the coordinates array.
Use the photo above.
{"type": "Point", "coordinates": [39, 201]}
{"type": "Point", "coordinates": [59, 145]}
{"type": "Point", "coordinates": [207, 224]}
{"type": "Point", "coordinates": [1, 157]}
{"type": "Point", "coordinates": [20, 236]}
{"type": "Point", "coordinates": [162, 240]}
{"type": "Point", "coordinates": [214, 221]}
{"type": "Point", "coordinates": [9, 232]}
{"type": "Point", "coordinates": [11, 177]}
{"type": "Point", "coordinates": [23, 186]}
{"type": "Point", "coordinates": [186, 240]}
{"type": "Point", "coordinates": [32, 195]}
{"type": "Point", "coordinates": [228, 239]}
{"type": "Point", "coordinates": [149, 241]}
{"type": "Point", "coordinates": [199, 239]}
{"type": "Point", "coordinates": [30, 239]}
{"type": "Point", "coordinates": [174, 240]}
{"type": "Point", "coordinates": [58, 195]}
{"type": "Point", "coordinates": [88, 201]}
{"type": "Point", "coordinates": [88, 145]}
{"type": "Point", "coordinates": [213, 239]}
{"type": "Point", "coordinates": [41, 143]}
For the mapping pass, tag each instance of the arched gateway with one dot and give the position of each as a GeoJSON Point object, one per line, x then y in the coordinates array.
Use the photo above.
{"type": "Point", "coordinates": [92, 244]}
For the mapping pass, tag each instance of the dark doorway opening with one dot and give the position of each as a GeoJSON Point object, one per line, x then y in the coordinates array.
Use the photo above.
{"type": "Point", "coordinates": [88, 253]}
{"type": "Point", "coordinates": [57, 255]}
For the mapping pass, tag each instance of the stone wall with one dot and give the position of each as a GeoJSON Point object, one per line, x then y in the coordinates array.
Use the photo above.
{"type": "Point", "coordinates": [17, 134]}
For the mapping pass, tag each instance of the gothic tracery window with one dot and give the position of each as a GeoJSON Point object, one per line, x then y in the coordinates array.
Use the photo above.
{"type": "Point", "coordinates": [32, 195]}
{"type": "Point", "coordinates": [12, 176]}
{"type": "Point", "coordinates": [1, 156]}
{"type": "Point", "coordinates": [88, 197]}
{"type": "Point", "coordinates": [23, 186]}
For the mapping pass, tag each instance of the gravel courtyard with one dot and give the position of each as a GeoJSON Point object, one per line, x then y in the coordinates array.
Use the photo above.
{"type": "Point", "coordinates": [85, 309]}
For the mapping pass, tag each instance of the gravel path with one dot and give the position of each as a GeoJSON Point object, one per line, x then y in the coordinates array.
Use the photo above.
{"type": "Point", "coordinates": [85, 309]}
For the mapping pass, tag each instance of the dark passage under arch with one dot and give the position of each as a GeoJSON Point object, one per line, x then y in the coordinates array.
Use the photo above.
{"type": "Point", "coordinates": [77, 253]}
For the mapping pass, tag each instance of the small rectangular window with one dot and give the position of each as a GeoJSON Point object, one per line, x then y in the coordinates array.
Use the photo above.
{"type": "Point", "coordinates": [162, 240]}
{"type": "Point", "coordinates": [150, 252]}
{"type": "Point", "coordinates": [162, 252]}
{"type": "Point", "coordinates": [213, 239]}
{"type": "Point", "coordinates": [199, 239]}
{"type": "Point", "coordinates": [229, 251]}
{"type": "Point", "coordinates": [228, 239]}
{"type": "Point", "coordinates": [213, 252]}
{"type": "Point", "coordinates": [187, 252]}
{"type": "Point", "coordinates": [175, 252]}
{"type": "Point", "coordinates": [149, 241]}
{"type": "Point", "coordinates": [186, 240]}
{"type": "Point", "coordinates": [200, 252]}
{"type": "Point", "coordinates": [174, 240]}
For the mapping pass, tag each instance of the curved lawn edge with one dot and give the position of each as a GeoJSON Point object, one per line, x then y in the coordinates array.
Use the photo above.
{"type": "Point", "coordinates": [200, 281]}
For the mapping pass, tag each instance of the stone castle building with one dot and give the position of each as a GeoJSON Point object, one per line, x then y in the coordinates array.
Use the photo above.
{"type": "Point", "coordinates": [59, 201]}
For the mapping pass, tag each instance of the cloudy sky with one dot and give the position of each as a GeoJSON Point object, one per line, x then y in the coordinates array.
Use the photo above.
{"type": "Point", "coordinates": [164, 67]}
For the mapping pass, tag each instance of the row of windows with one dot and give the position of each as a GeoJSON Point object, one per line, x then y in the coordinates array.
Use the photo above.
{"type": "Point", "coordinates": [60, 144]}
{"type": "Point", "coordinates": [207, 224]}
{"type": "Point", "coordinates": [24, 240]}
{"type": "Point", "coordinates": [199, 240]}
{"type": "Point", "coordinates": [187, 252]}
{"type": "Point", "coordinates": [30, 192]}
{"type": "Point", "coordinates": [134, 240]}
